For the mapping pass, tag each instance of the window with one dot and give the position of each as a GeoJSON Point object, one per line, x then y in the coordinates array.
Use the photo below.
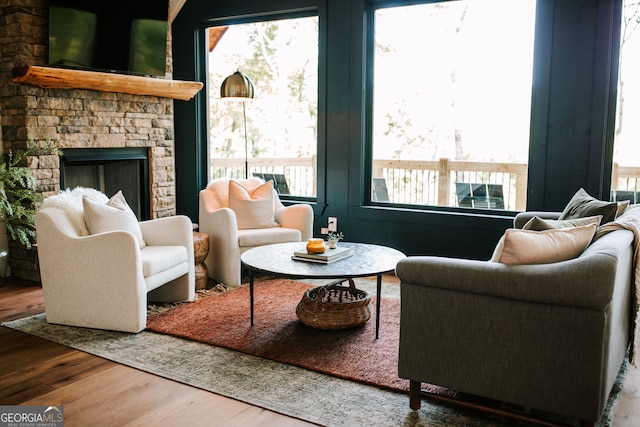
{"type": "Point", "coordinates": [625, 184]}
{"type": "Point", "coordinates": [280, 57]}
{"type": "Point", "coordinates": [451, 103]}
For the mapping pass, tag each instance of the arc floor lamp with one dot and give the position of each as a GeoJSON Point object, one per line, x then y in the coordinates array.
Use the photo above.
{"type": "Point", "coordinates": [240, 87]}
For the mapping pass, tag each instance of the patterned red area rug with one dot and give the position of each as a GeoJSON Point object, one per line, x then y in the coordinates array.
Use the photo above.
{"type": "Point", "coordinates": [224, 320]}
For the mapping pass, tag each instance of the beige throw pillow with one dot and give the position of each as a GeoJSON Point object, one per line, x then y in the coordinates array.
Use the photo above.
{"type": "Point", "coordinates": [115, 215]}
{"type": "Point", "coordinates": [622, 207]}
{"type": "Point", "coordinates": [582, 205]}
{"type": "Point", "coordinates": [538, 224]}
{"type": "Point", "coordinates": [542, 247]}
{"type": "Point", "coordinates": [253, 209]}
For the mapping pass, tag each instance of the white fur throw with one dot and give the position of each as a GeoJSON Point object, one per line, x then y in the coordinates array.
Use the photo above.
{"type": "Point", "coordinates": [70, 201]}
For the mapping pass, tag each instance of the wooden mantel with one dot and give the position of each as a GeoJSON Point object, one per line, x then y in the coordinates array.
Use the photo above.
{"type": "Point", "coordinates": [63, 78]}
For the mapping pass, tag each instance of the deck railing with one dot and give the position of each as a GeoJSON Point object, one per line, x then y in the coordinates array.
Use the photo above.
{"type": "Point", "coordinates": [625, 178]}
{"type": "Point", "coordinates": [434, 182]}
{"type": "Point", "coordinates": [300, 172]}
{"type": "Point", "coordinates": [415, 181]}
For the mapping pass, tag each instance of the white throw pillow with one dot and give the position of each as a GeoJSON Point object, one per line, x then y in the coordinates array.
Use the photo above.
{"type": "Point", "coordinates": [542, 247]}
{"type": "Point", "coordinates": [253, 209]}
{"type": "Point", "coordinates": [115, 215]}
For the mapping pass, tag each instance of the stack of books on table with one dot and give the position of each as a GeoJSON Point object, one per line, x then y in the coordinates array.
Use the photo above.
{"type": "Point", "coordinates": [329, 256]}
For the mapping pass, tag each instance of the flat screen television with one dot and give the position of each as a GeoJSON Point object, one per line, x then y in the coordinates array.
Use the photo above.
{"type": "Point", "coordinates": [123, 36]}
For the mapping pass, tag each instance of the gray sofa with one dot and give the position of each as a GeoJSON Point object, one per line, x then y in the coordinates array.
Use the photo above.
{"type": "Point", "coordinates": [550, 337]}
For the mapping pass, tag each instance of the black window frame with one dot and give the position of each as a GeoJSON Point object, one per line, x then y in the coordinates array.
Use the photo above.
{"type": "Point", "coordinates": [366, 199]}
{"type": "Point", "coordinates": [320, 199]}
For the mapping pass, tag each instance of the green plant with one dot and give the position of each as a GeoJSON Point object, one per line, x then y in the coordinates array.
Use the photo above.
{"type": "Point", "coordinates": [18, 197]}
{"type": "Point", "coordinates": [334, 235]}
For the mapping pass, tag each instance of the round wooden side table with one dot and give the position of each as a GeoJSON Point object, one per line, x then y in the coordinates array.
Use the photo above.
{"type": "Point", "coordinates": [200, 252]}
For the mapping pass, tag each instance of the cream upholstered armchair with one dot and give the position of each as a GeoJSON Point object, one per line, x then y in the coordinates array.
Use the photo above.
{"type": "Point", "coordinates": [98, 264]}
{"type": "Point", "coordinates": [239, 215]}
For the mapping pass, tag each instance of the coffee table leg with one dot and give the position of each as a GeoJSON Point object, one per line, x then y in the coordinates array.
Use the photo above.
{"type": "Point", "coordinates": [251, 293]}
{"type": "Point", "coordinates": [378, 292]}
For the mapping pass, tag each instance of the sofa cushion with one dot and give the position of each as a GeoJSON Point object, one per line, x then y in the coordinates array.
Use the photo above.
{"type": "Point", "coordinates": [542, 247]}
{"type": "Point", "coordinates": [267, 236]}
{"type": "Point", "coordinates": [583, 205]}
{"type": "Point", "coordinates": [156, 259]}
{"type": "Point", "coordinates": [115, 215]}
{"type": "Point", "coordinates": [538, 224]}
{"type": "Point", "coordinates": [253, 208]}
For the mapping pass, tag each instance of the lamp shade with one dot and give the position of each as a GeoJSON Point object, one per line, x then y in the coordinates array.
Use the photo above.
{"type": "Point", "coordinates": [237, 85]}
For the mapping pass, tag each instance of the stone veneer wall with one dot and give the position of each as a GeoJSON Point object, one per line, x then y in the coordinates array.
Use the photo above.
{"type": "Point", "coordinates": [74, 118]}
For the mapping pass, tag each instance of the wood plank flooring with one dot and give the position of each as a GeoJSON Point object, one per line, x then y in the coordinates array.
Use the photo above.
{"type": "Point", "coordinates": [98, 392]}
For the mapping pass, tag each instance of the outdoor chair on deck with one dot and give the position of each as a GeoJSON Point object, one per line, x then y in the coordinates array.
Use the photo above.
{"type": "Point", "coordinates": [480, 196]}
{"type": "Point", "coordinates": [379, 191]}
{"type": "Point", "coordinates": [279, 181]}
{"type": "Point", "coordinates": [622, 195]}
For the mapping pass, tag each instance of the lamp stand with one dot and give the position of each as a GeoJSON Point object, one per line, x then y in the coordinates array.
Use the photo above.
{"type": "Point", "coordinates": [246, 143]}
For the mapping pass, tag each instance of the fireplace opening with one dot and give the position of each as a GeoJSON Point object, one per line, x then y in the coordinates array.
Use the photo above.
{"type": "Point", "coordinates": [110, 170]}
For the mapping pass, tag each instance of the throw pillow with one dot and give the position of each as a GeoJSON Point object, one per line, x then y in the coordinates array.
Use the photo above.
{"type": "Point", "coordinates": [582, 205]}
{"type": "Point", "coordinates": [542, 247]}
{"type": "Point", "coordinates": [622, 207]}
{"type": "Point", "coordinates": [538, 224]}
{"type": "Point", "coordinates": [253, 209]}
{"type": "Point", "coordinates": [115, 215]}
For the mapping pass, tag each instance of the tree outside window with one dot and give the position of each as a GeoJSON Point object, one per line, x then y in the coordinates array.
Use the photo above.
{"type": "Point", "coordinates": [281, 59]}
{"type": "Point", "coordinates": [452, 103]}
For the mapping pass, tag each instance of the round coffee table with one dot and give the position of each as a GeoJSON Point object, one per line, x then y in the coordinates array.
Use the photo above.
{"type": "Point", "coordinates": [367, 260]}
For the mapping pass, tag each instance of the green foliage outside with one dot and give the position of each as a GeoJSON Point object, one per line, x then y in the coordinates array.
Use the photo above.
{"type": "Point", "coordinates": [281, 59]}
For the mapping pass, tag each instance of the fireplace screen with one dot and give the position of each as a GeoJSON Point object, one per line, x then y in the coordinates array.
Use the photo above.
{"type": "Point", "coordinates": [110, 170]}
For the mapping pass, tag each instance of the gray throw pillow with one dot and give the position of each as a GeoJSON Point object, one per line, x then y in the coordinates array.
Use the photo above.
{"type": "Point", "coordinates": [583, 205]}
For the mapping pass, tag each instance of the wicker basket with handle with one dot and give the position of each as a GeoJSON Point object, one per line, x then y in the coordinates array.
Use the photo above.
{"type": "Point", "coordinates": [334, 307]}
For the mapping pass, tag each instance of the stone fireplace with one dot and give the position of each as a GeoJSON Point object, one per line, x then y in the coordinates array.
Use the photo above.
{"type": "Point", "coordinates": [84, 122]}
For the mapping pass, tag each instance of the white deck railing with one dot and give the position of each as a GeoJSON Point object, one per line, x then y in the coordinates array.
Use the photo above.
{"type": "Point", "coordinates": [415, 181]}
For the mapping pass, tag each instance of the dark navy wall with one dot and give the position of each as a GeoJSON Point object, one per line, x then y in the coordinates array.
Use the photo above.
{"type": "Point", "coordinates": [574, 94]}
{"type": "Point", "coordinates": [574, 100]}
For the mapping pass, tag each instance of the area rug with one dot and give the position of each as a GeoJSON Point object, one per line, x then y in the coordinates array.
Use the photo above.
{"type": "Point", "coordinates": [294, 391]}
{"type": "Point", "coordinates": [277, 334]}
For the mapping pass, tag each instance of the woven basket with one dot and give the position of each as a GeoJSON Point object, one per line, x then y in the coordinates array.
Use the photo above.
{"type": "Point", "coordinates": [334, 307]}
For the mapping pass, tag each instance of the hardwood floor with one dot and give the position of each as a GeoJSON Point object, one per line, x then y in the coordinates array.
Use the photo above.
{"type": "Point", "coordinates": [98, 392]}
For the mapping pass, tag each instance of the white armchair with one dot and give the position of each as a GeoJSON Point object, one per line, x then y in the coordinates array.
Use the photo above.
{"type": "Point", "coordinates": [226, 242]}
{"type": "Point", "coordinates": [103, 280]}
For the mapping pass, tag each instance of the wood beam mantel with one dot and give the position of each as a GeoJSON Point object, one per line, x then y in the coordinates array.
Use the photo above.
{"type": "Point", "coordinates": [63, 78]}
